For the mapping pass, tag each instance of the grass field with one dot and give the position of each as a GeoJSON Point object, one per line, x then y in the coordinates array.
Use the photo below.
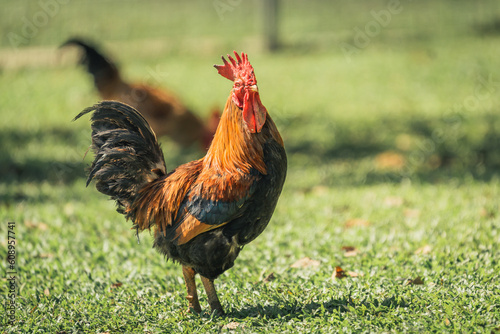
{"type": "Point", "coordinates": [394, 160]}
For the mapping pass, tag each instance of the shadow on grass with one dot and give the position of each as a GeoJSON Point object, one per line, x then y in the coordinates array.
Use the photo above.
{"type": "Point", "coordinates": [491, 28]}
{"type": "Point", "coordinates": [292, 310]}
{"type": "Point", "coordinates": [346, 150]}
{"type": "Point", "coordinates": [16, 165]}
{"type": "Point", "coordinates": [16, 137]}
{"type": "Point", "coordinates": [386, 150]}
{"type": "Point", "coordinates": [40, 170]}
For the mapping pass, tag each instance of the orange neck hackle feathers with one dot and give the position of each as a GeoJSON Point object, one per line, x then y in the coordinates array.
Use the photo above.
{"type": "Point", "coordinates": [234, 149]}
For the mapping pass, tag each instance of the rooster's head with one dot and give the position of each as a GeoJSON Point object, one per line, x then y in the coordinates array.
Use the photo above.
{"type": "Point", "coordinates": [245, 93]}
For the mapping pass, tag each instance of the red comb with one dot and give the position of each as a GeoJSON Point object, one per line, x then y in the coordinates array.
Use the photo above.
{"type": "Point", "coordinates": [237, 68]}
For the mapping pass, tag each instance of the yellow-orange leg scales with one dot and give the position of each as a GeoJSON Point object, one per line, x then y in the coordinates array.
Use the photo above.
{"type": "Point", "coordinates": [213, 300]}
{"type": "Point", "coordinates": [192, 294]}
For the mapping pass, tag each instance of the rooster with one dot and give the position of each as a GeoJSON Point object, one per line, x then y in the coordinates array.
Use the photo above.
{"type": "Point", "coordinates": [163, 110]}
{"type": "Point", "coordinates": [203, 212]}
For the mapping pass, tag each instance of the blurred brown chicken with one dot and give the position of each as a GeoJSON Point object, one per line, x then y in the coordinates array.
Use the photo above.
{"type": "Point", "coordinates": [165, 113]}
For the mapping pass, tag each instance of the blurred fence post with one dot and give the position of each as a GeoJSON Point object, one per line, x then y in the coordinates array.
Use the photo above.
{"type": "Point", "coordinates": [270, 16]}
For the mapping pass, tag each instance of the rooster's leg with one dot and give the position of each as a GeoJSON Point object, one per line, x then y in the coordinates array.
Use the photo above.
{"type": "Point", "coordinates": [192, 295]}
{"type": "Point", "coordinates": [213, 300]}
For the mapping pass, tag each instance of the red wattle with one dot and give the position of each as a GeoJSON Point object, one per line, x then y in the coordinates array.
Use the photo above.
{"type": "Point", "coordinates": [254, 113]}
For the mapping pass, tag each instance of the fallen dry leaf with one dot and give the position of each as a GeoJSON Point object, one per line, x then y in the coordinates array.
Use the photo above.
{"type": "Point", "coordinates": [356, 222]}
{"type": "Point", "coordinates": [411, 213]}
{"type": "Point", "coordinates": [485, 213]}
{"type": "Point", "coordinates": [393, 202]}
{"type": "Point", "coordinates": [269, 278]}
{"type": "Point", "coordinates": [46, 292]}
{"type": "Point", "coordinates": [231, 325]}
{"type": "Point", "coordinates": [350, 254]}
{"type": "Point", "coordinates": [353, 274]}
{"type": "Point", "coordinates": [45, 255]}
{"type": "Point", "coordinates": [349, 251]}
{"type": "Point", "coordinates": [339, 273]}
{"type": "Point", "coordinates": [320, 190]}
{"type": "Point", "coordinates": [424, 250]}
{"type": "Point", "coordinates": [30, 224]}
{"type": "Point", "coordinates": [389, 161]}
{"type": "Point", "coordinates": [305, 262]}
{"type": "Point", "coordinates": [40, 226]}
{"type": "Point", "coordinates": [447, 322]}
{"type": "Point", "coordinates": [43, 226]}
{"type": "Point", "coordinates": [416, 281]}
{"type": "Point", "coordinates": [116, 285]}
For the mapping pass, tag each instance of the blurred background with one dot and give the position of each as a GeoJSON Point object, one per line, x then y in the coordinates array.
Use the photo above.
{"type": "Point", "coordinates": [362, 91]}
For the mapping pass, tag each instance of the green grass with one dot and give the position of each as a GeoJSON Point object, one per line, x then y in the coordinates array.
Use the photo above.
{"type": "Point", "coordinates": [403, 139]}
